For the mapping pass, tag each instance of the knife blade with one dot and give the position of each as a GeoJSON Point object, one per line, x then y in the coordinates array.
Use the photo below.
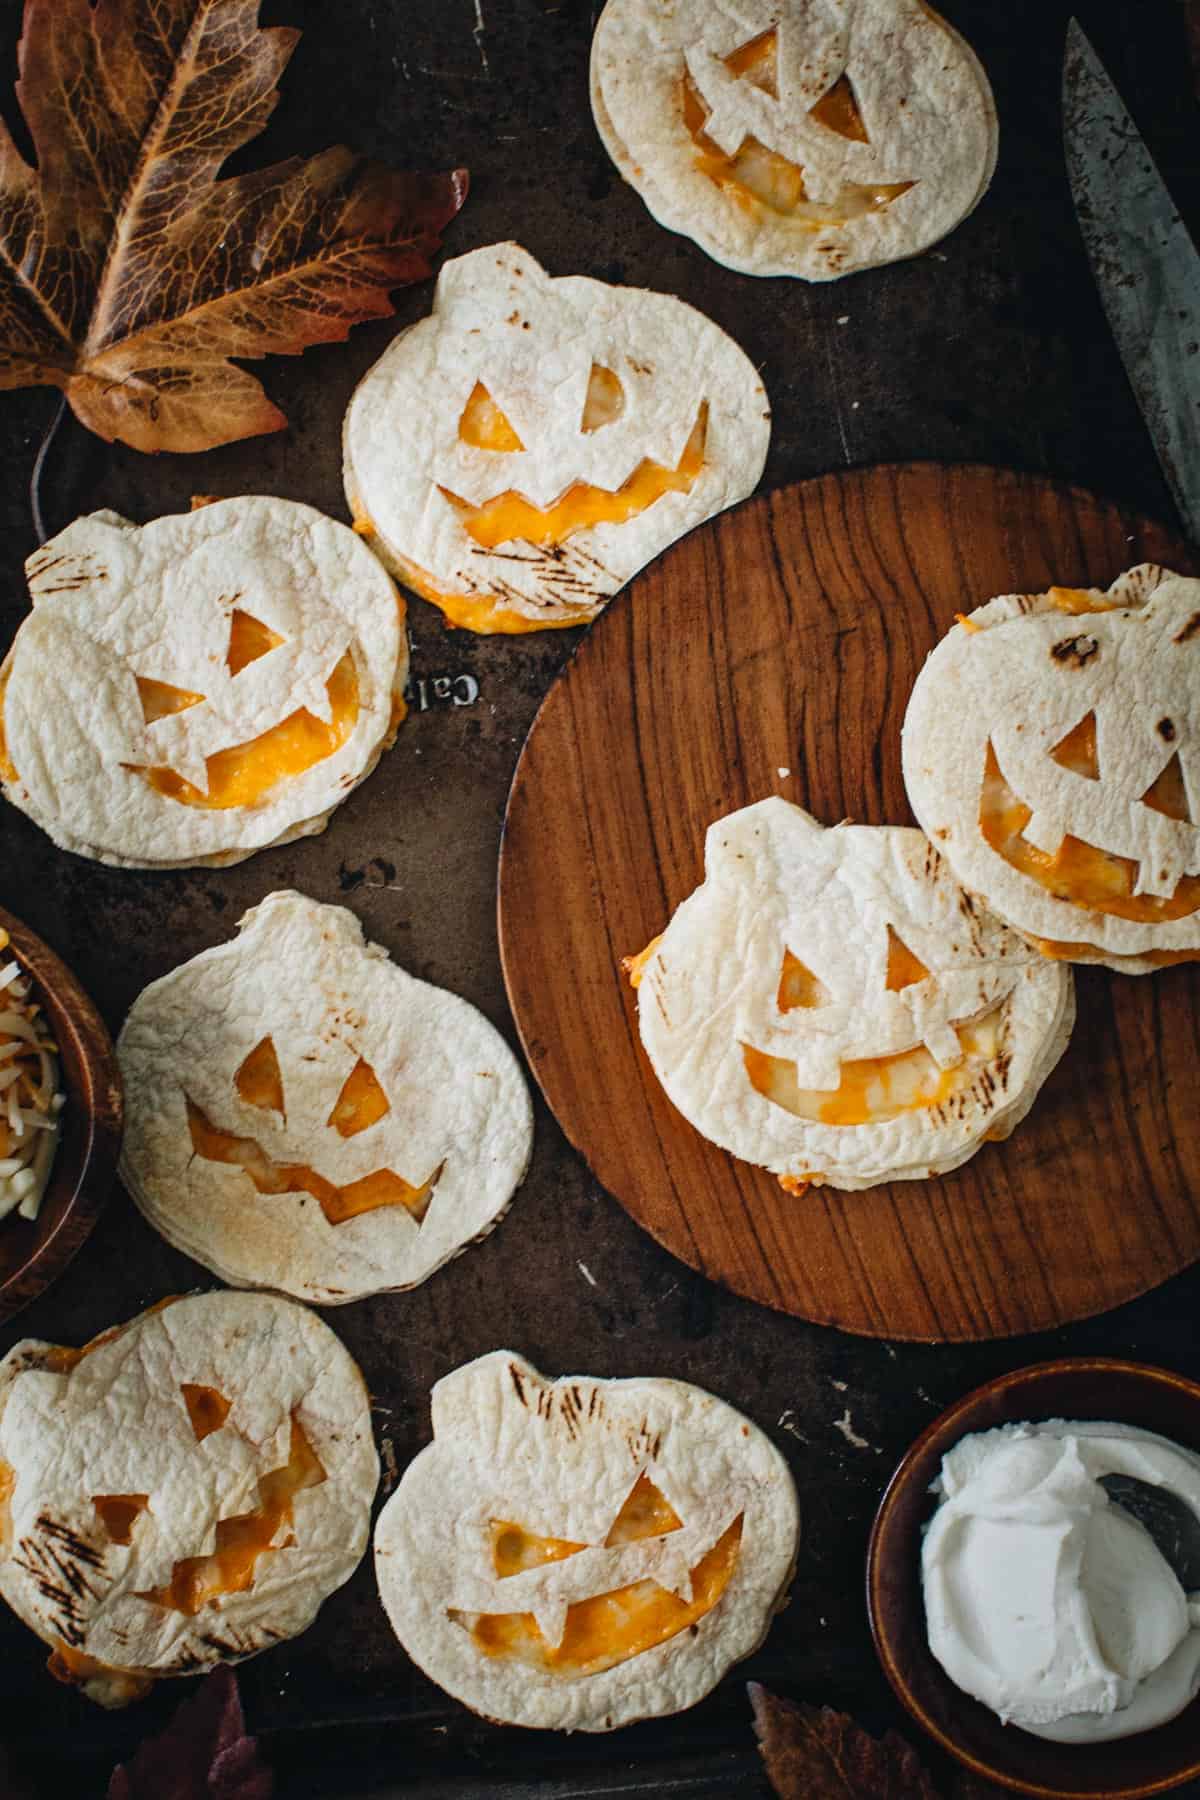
{"type": "Point", "coordinates": [1146, 266]}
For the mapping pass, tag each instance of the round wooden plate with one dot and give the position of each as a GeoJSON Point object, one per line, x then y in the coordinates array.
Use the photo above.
{"type": "Point", "coordinates": [772, 652]}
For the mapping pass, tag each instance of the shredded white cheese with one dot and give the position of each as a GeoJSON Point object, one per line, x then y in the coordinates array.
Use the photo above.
{"type": "Point", "coordinates": [30, 1098]}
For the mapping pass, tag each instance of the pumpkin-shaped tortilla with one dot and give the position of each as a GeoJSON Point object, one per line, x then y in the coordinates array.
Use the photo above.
{"type": "Point", "coordinates": [301, 1114]}
{"type": "Point", "coordinates": [518, 455]}
{"type": "Point", "coordinates": [185, 1490]}
{"type": "Point", "coordinates": [831, 1005]}
{"type": "Point", "coordinates": [578, 1554]}
{"type": "Point", "coordinates": [1052, 752]}
{"type": "Point", "coordinates": [796, 138]}
{"type": "Point", "coordinates": [192, 690]}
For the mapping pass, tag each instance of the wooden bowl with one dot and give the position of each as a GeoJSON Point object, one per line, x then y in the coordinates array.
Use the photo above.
{"type": "Point", "coordinates": [1072, 1388]}
{"type": "Point", "coordinates": [34, 1252]}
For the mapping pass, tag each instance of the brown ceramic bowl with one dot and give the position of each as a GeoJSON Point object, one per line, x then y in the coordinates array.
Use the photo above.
{"type": "Point", "coordinates": [34, 1252]}
{"type": "Point", "coordinates": [1074, 1388]}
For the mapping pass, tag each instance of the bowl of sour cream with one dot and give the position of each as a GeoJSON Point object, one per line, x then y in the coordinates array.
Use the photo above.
{"type": "Point", "coordinates": [1033, 1580]}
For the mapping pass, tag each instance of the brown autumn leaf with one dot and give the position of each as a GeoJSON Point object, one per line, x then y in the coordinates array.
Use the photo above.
{"type": "Point", "coordinates": [814, 1753]}
{"type": "Point", "coordinates": [130, 274]}
{"type": "Point", "coordinates": [203, 1754]}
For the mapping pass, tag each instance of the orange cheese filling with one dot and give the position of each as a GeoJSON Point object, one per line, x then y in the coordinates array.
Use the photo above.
{"type": "Point", "coordinates": [160, 699]}
{"type": "Point", "coordinates": [229, 1569]}
{"type": "Point", "coordinates": [874, 1089]}
{"type": "Point", "coordinates": [903, 968]}
{"type": "Point", "coordinates": [249, 639]}
{"type": "Point", "coordinates": [207, 1409]}
{"type": "Point", "coordinates": [1058, 951]}
{"type": "Point", "coordinates": [634, 967]}
{"type": "Point", "coordinates": [759, 179]}
{"type": "Point", "coordinates": [607, 1629]}
{"type": "Point", "coordinates": [362, 1101]}
{"type": "Point", "coordinates": [381, 1188]}
{"type": "Point", "coordinates": [485, 426]}
{"type": "Point", "coordinates": [8, 1487]}
{"type": "Point", "coordinates": [7, 769]}
{"type": "Point", "coordinates": [76, 1668]}
{"type": "Point", "coordinates": [798, 986]}
{"type": "Point", "coordinates": [510, 518]}
{"type": "Point", "coordinates": [258, 1080]}
{"type": "Point", "coordinates": [515, 1549]}
{"type": "Point", "coordinates": [119, 1513]}
{"type": "Point", "coordinates": [1079, 600]}
{"type": "Point", "coordinates": [247, 773]}
{"type": "Point", "coordinates": [1076, 872]}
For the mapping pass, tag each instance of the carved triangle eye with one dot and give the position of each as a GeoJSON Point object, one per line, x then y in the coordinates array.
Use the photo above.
{"type": "Point", "coordinates": [798, 986]}
{"type": "Point", "coordinates": [1077, 751]}
{"type": "Point", "coordinates": [159, 699]}
{"type": "Point", "coordinates": [838, 110]}
{"type": "Point", "coordinates": [207, 1408]}
{"type": "Point", "coordinates": [605, 399]}
{"type": "Point", "coordinates": [903, 968]}
{"type": "Point", "coordinates": [249, 639]}
{"type": "Point", "coordinates": [361, 1102]}
{"type": "Point", "coordinates": [757, 62]}
{"type": "Point", "coordinates": [258, 1079]}
{"type": "Point", "coordinates": [1168, 793]}
{"type": "Point", "coordinates": [646, 1512]}
{"type": "Point", "coordinates": [484, 426]}
{"type": "Point", "coordinates": [119, 1513]}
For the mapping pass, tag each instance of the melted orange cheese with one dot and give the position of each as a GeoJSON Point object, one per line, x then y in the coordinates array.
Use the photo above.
{"type": "Point", "coordinates": [76, 1668]}
{"type": "Point", "coordinates": [1079, 600]}
{"type": "Point", "coordinates": [1058, 951]}
{"type": "Point", "coordinates": [510, 518]}
{"type": "Point", "coordinates": [1079, 873]}
{"type": "Point", "coordinates": [605, 399]}
{"type": "Point", "coordinates": [7, 769]}
{"type": "Point", "coordinates": [800, 1184]}
{"type": "Point", "coordinates": [968, 624]}
{"type": "Point", "coordinates": [258, 1080]}
{"type": "Point", "coordinates": [119, 1513]}
{"type": "Point", "coordinates": [248, 773]}
{"type": "Point", "coordinates": [160, 699]}
{"type": "Point", "coordinates": [362, 1101]}
{"type": "Point", "coordinates": [381, 1188]}
{"type": "Point", "coordinates": [838, 111]}
{"type": "Point", "coordinates": [903, 968]}
{"type": "Point", "coordinates": [482, 612]}
{"type": "Point", "coordinates": [874, 1089]}
{"type": "Point", "coordinates": [515, 1549]}
{"type": "Point", "coordinates": [798, 986]}
{"type": "Point", "coordinates": [634, 967]}
{"type": "Point", "coordinates": [645, 1513]}
{"type": "Point", "coordinates": [756, 178]}
{"type": "Point", "coordinates": [8, 1487]}
{"type": "Point", "coordinates": [229, 1569]}
{"type": "Point", "coordinates": [484, 425]}
{"type": "Point", "coordinates": [249, 639]}
{"type": "Point", "coordinates": [608, 1629]}
{"type": "Point", "coordinates": [1077, 751]}
{"type": "Point", "coordinates": [207, 1409]}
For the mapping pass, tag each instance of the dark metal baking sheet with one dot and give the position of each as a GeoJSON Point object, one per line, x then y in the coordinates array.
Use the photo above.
{"type": "Point", "coordinates": [993, 347]}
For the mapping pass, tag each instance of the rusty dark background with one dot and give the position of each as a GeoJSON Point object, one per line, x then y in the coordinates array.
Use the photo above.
{"type": "Point", "coordinates": [992, 347]}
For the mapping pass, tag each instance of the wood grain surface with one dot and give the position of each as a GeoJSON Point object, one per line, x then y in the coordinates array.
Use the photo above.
{"type": "Point", "coordinates": [785, 636]}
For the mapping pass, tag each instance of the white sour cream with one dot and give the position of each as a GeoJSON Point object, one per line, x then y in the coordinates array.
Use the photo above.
{"type": "Point", "coordinates": [1044, 1599]}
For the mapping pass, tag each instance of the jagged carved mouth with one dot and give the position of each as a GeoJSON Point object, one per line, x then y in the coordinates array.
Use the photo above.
{"type": "Point", "coordinates": [872, 1090]}
{"type": "Point", "coordinates": [1079, 872]}
{"type": "Point", "coordinates": [605, 1629]}
{"type": "Point", "coordinates": [509, 517]}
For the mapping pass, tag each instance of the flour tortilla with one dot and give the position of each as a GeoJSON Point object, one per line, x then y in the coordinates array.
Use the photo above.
{"type": "Point", "coordinates": [1021, 672]}
{"type": "Point", "coordinates": [560, 1458]}
{"type": "Point", "coordinates": [113, 601]}
{"type": "Point", "coordinates": [302, 974]}
{"type": "Point", "coordinates": [118, 1424]}
{"type": "Point", "coordinates": [923, 95]}
{"type": "Point", "coordinates": [776, 882]}
{"type": "Point", "coordinates": [500, 320]}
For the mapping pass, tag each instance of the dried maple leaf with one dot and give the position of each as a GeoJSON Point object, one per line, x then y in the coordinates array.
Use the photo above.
{"type": "Point", "coordinates": [814, 1753]}
{"type": "Point", "coordinates": [204, 1753]}
{"type": "Point", "coordinates": [129, 274]}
